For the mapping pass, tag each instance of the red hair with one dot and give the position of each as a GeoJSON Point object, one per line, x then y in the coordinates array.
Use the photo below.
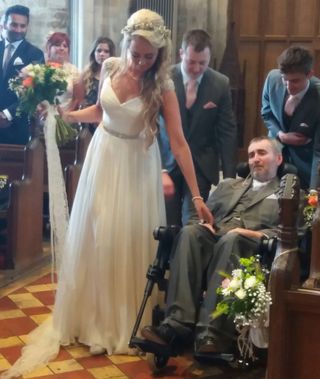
{"type": "Point", "coordinates": [55, 39]}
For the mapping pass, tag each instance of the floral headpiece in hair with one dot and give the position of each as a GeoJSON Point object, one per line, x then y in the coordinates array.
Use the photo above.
{"type": "Point", "coordinates": [148, 24]}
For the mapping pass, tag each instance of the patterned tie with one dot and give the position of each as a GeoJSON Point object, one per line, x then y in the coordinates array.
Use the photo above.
{"type": "Point", "coordinates": [8, 54]}
{"type": "Point", "coordinates": [191, 93]}
{"type": "Point", "coordinates": [291, 104]}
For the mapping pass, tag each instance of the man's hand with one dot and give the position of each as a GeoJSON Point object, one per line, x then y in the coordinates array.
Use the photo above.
{"type": "Point", "coordinates": [168, 185]}
{"type": "Point", "coordinates": [247, 232]}
{"type": "Point", "coordinates": [4, 122]}
{"type": "Point", "coordinates": [293, 138]}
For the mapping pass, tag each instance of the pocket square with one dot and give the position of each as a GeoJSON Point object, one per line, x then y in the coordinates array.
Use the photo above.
{"type": "Point", "coordinates": [304, 125]}
{"type": "Point", "coordinates": [18, 62]}
{"type": "Point", "coordinates": [209, 105]}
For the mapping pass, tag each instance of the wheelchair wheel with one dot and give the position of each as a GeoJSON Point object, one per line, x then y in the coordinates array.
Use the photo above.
{"type": "Point", "coordinates": [156, 361]}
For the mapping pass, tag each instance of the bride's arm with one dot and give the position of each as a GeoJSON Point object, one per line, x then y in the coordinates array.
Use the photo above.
{"type": "Point", "coordinates": [181, 151]}
{"type": "Point", "coordinates": [92, 114]}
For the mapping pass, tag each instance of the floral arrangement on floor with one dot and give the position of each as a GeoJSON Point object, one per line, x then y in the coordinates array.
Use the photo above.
{"type": "Point", "coordinates": [310, 209]}
{"type": "Point", "coordinates": [37, 83]}
{"type": "Point", "coordinates": [245, 299]}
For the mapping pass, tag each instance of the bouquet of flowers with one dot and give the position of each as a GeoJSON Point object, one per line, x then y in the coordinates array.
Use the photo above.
{"type": "Point", "coordinates": [38, 83]}
{"type": "Point", "coordinates": [245, 299]}
{"type": "Point", "coordinates": [310, 208]}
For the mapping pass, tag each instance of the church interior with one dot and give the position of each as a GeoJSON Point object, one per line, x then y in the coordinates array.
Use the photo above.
{"type": "Point", "coordinates": [248, 36]}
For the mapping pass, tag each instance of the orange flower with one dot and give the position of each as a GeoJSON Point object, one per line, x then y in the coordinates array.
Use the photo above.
{"type": "Point", "coordinates": [28, 82]}
{"type": "Point", "coordinates": [313, 200]}
{"type": "Point", "coordinates": [54, 64]}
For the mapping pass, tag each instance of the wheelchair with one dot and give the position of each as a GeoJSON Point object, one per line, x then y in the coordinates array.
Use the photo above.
{"type": "Point", "coordinates": [160, 354]}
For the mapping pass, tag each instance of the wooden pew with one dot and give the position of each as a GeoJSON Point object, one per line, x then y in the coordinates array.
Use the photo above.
{"type": "Point", "coordinates": [24, 166]}
{"type": "Point", "coordinates": [72, 171]}
{"type": "Point", "coordinates": [295, 312]}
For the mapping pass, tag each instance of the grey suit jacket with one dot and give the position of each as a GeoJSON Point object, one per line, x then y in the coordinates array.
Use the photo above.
{"type": "Point", "coordinates": [212, 132]}
{"type": "Point", "coordinates": [262, 213]}
{"type": "Point", "coordinates": [305, 120]}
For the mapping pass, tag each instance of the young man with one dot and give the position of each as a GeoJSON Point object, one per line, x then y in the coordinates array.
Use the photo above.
{"type": "Point", "coordinates": [15, 53]}
{"type": "Point", "coordinates": [291, 112]}
{"type": "Point", "coordinates": [245, 210]}
{"type": "Point", "coordinates": [208, 125]}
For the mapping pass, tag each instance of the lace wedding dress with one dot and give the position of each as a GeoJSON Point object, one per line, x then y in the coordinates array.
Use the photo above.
{"type": "Point", "coordinates": [109, 242]}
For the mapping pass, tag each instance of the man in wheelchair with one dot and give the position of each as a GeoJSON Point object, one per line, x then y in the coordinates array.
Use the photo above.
{"type": "Point", "coordinates": [245, 211]}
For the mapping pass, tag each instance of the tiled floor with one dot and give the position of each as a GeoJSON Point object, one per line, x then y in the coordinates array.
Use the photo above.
{"type": "Point", "coordinates": [26, 303]}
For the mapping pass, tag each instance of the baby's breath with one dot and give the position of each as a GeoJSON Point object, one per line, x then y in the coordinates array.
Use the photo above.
{"type": "Point", "coordinates": [244, 294]}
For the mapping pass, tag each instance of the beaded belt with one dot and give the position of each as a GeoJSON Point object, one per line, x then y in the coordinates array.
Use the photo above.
{"type": "Point", "coordinates": [120, 135]}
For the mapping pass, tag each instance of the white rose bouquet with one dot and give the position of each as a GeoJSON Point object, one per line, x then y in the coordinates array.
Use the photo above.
{"type": "Point", "coordinates": [245, 299]}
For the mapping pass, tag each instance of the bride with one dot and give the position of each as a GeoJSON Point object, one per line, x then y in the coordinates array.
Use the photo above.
{"type": "Point", "coordinates": [119, 201]}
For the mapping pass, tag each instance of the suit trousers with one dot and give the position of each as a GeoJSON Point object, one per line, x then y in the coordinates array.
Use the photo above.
{"type": "Point", "coordinates": [198, 257]}
{"type": "Point", "coordinates": [180, 206]}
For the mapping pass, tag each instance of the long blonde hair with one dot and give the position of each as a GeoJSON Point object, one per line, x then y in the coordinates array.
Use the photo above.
{"type": "Point", "coordinates": [149, 25]}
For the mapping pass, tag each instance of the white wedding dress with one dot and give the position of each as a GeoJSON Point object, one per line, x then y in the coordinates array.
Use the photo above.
{"type": "Point", "coordinates": [109, 243]}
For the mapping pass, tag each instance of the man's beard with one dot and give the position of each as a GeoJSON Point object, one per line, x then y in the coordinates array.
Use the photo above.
{"type": "Point", "coordinates": [14, 36]}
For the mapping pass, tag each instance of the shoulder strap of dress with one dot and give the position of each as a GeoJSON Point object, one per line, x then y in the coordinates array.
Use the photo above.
{"type": "Point", "coordinates": [110, 65]}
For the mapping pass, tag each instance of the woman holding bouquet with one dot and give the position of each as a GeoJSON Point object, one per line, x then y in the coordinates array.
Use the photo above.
{"type": "Point", "coordinates": [119, 200]}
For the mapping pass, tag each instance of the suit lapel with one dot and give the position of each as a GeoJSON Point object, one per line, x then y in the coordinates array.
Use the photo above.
{"type": "Point", "coordinates": [238, 190]}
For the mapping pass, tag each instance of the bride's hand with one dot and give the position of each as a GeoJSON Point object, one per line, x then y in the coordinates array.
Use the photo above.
{"type": "Point", "coordinates": [203, 211]}
{"type": "Point", "coordinates": [64, 115]}
{"type": "Point", "coordinates": [42, 112]}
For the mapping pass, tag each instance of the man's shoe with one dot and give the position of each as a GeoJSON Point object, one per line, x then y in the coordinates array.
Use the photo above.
{"type": "Point", "coordinates": [162, 335]}
{"type": "Point", "coordinates": [206, 345]}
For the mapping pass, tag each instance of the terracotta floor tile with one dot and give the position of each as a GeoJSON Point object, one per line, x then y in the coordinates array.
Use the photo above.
{"type": "Point", "coordinates": [11, 353]}
{"type": "Point", "coordinates": [46, 297]}
{"type": "Point", "coordinates": [41, 287]}
{"type": "Point", "coordinates": [4, 364]}
{"type": "Point", "coordinates": [46, 279]}
{"type": "Point", "coordinates": [117, 359]}
{"type": "Point", "coordinates": [39, 319]}
{"type": "Point", "coordinates": [6, 304]}
{"type": "Point", "coordinates": [94, 361]}
{"type": "Point", "coordinates": [36, 311]}
{"type": "Point", "coordinates": [133, 369]}
{"type": "Point", "coordinates": [63, 355]}
{"type": "Point", "coordinates": [68, 365]}
{"type": "Point", "coordinates": [40, 373]}
{"type": "Point", "coordinates": [110, 371]}
{"type": "Point", "coordinates": [25, 300]}
{"type": "Point", "coordinates": [10, 341]}
{"type": "Point", "coordinates": [11, 313]}
{"type": "Point", "coordinates": [17, 326]}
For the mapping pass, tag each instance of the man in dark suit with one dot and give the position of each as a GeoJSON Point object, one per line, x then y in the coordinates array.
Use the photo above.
{"type": "Point", "coordinates": [245, 211]}
{"type": "Point", "coordinates": [15, 53]}
{"type": "Point", "coordinates": [208, 125]}
{"type": "Point", "coordinates": [291, 112]}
